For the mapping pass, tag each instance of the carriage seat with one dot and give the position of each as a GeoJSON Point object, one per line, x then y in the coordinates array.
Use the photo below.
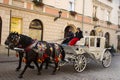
{"type": "Point", "coordinates": [81, 42]}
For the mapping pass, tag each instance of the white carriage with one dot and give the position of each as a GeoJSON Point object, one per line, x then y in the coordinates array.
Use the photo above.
{"type": "Point", "coordinates": [89, 47]}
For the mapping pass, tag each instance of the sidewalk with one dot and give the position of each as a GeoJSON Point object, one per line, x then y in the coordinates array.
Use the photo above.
{"type": "Point", "coordinates": [4, 57]}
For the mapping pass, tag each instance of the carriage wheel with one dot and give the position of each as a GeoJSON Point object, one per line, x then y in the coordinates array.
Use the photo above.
{"type": "Point", "coordinates": [106, 59]}
{"type": "Point", "coordinates": [80, 63]}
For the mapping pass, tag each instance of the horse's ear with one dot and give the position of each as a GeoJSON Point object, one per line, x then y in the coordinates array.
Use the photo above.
{"type": "Point", "coordinates": [17, 33]}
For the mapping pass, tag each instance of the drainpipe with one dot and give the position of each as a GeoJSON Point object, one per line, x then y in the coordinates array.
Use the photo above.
{"type": "Point", "coordinates": [10, 20]}
{"type": "Point", "coordinates": [9, 29]}
{"type": "Point", "coordinates": [83, 14]}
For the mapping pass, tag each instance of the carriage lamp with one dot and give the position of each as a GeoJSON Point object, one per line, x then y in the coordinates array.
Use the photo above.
{"type": "Point", "coordinates": [59, 15]}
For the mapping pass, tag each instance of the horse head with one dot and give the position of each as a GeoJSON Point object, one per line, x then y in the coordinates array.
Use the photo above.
{"type": "Point", "coordinates": [12, 40]}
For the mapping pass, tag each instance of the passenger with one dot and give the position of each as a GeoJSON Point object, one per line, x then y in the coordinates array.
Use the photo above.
{"type": "Point", "coordinates": [78, 36]}
{"type": "Point", "coordinates": [69, 36]}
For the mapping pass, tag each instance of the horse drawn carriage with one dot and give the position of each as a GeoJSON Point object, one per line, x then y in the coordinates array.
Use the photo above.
{"type": "Point", "coordinates": [89, 47]}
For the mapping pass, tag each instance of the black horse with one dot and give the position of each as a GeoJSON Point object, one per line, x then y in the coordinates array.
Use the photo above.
{"type": "Point", "coordinates": [36, 50]}
{"type": "Point", "coordinates": [19, 54]}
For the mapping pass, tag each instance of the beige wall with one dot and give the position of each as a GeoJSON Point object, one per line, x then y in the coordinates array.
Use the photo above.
{"type": "Point", "coordinates": [5, 15]}
{"type": "Point", "coordinates": [52, 30]}
{"type": "Point", "coordinates": [64, 4]}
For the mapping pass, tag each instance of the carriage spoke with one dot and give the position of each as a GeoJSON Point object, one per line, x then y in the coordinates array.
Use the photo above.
{"type": "Point", "coordinates": [80, 63]}
{"type": "Point", "coordinates": [106, 59]}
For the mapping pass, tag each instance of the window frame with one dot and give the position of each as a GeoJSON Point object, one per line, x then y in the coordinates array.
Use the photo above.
{"type": "Point", "coordinates": [71, 5]}
{"type": "Point", "coordinates": [94, 11]}
{"type": "Point", "coordinates": [108, 15]}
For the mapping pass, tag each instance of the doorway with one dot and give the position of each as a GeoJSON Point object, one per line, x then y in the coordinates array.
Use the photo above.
{"type": "Point", "coordinates": [67, 29]}
{"type": "Point", "coordinates": [107, 41]}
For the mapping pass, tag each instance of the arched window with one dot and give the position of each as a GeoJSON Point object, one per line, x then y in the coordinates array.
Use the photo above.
{"type": "Point", "coordinates": [0, 29]}
{"type": "Point", "coordinates": [36, 29]}
{"type": "Point", "coordinates": [100, 33]}
{"type": "Point", "coordinates": [92, 33]}
{"type": "Point", "coordinates": [36, 24]}
{"type": "Point", "coordinates": [67, 29]}
{"type": "Point", "coordinates": [107, 36]}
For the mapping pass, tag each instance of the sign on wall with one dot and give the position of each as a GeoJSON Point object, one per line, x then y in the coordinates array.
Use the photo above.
{"type": "Point", "coordinates": [16, 24]}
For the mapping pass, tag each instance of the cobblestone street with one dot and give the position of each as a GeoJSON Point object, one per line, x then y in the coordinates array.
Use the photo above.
{"type": "Point", "coordinates": [93, 70]}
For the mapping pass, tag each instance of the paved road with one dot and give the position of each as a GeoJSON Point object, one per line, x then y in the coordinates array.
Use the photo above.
{"type": "Point", "coordinates": [93, 71]}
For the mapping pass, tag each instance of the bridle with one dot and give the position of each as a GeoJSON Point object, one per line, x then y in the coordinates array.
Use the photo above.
{"type": "Point", "coordinates": [14, 39]}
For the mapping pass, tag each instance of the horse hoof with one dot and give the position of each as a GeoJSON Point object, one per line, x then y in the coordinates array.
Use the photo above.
{"type": "Point", "coordinates": [58, 69]}
{"type": "Point", "coordinates": [32, 67]}
{"type": "Point", "coordinates": [17, 69]}
{"type": "Point", "coordinates": [46, 67]}
{"type": "Point", "coordinates": [20, 76]}
{"type": "Point", "coordinates": [53, 73]}
{"type": "Point", "coordinates": [38, 73]}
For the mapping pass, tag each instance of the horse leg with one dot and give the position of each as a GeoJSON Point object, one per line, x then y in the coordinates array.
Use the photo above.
{"type": "Point", "coordinates": [55, 69]}
{"type": "Point", "coordinates": [47, 63]}
{"type": "Point", "coordinates": [20, 61]}
{"type": "Point", "coordinates": [30, 66]}
{"type": "Point", "coordinates": [26, 66]}
{"type": "Point", "coordinates": [41, 66]}
{"type": "Point", "coordinates": [36, 63]}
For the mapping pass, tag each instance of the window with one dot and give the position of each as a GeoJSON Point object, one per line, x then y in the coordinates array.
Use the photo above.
{"type": "Point", "coordinates": [36, 24]}
{"type": "Point", "coordinates": [102, 13]}
{"type": "Point", "coordinates": [58, 0]}
{"type": "Point", "coordinates": [92, 42]}
{"type": "Point", "coordinates": [110, 0]}
{"type": "Point", "coordinates": [98, 42]}
{"type": "Point", "coordinates": [94, 11]}
{"type": "Point", "coordinates": [108, 16]}
{"type": "Point", "coordinates": [36, 29]}
{"type": "Point", "coordinates": [107, 36]}
{"type": "Point", "coordinates": [0, 28]}
{"type": "Point", "coordinates": [16, 25]}
{"type": "Point", "coordinates": [100, 33]}
{"type": "Point", "coordinates": [87, 42]}
{"type": "Point", "coordinates": [71, 5]}
{"type": "Point", "coordinates": [119, 20]}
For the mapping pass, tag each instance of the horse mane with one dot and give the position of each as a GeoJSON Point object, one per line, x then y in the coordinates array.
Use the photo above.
{"type": "Point", "coordinates": [25, 40]}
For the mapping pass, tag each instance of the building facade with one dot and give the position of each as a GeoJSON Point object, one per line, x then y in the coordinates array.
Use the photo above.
{"type": "Point", "coordinates": [50, 19]}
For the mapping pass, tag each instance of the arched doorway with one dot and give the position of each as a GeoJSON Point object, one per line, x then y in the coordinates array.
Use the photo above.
{"type": "Point", "coordinates": [107, 41]}
{"type": "Point", "coordinates": [93, 33]}
{"type": "Point", "coordinates": [118, 45]}
{"type": "Point", "coordinates": [0, 29]}
{"type": "Point", "coordinates": [36, 29]}
{"type": "Point", "coordinates": [67, 29]}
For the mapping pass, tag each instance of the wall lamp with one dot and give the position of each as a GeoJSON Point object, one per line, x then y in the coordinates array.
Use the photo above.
{"type": "Point", "coordinates": [59, 15]}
